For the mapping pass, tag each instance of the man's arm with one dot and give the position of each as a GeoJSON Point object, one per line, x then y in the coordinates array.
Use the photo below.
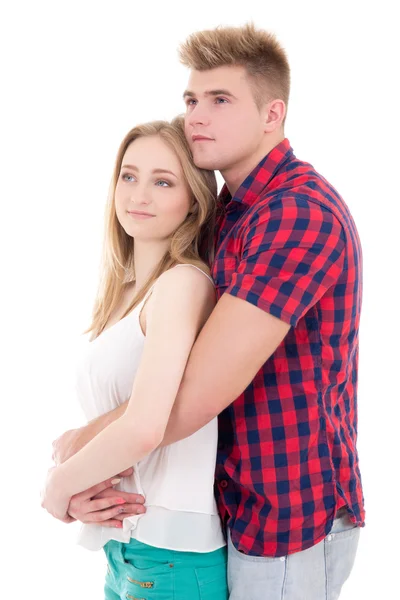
{"type": "Point", "coordinates": [70, 442]}
{"type": "Point", "coordinates": [181, 303]}
{"type": "Point", "coordinates": [232, 346]}
{"type": "Point", "coordinates": [292, 253]}
{"type": "Point", "coordinates": [236, 341]}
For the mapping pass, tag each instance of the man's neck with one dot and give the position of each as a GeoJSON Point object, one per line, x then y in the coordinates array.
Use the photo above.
{"type": "Point", "coordinates": [237, 173]}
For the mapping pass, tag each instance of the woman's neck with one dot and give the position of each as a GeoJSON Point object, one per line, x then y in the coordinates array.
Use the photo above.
{"type": "Point", "coordinates": [147, 256]}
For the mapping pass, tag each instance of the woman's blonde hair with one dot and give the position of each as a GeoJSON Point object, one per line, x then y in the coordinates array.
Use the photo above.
{"type": "Point", "coordinates": [258, 51]}
{"type": "Point", "coordinates": [192, 242]}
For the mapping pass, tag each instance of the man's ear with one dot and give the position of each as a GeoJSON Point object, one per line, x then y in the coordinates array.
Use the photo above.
{"type": "Point", "coordinates": [274, 114]}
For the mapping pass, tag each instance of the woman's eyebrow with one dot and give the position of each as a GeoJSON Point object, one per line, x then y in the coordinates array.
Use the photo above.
{"type": "Point", "coordinates": [164, 171]}
{"type": "Point", "coordinates": [134, 168]}
{"type": "Point", "coordinates": [130, 167]}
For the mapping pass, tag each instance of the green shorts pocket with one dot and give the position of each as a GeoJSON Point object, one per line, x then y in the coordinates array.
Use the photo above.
{"type": "Point", "coordinates": [145, 584]}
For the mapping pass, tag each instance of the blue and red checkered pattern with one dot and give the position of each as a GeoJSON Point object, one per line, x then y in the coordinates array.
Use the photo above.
{"type": "Point", "coordinates": [287, 458]}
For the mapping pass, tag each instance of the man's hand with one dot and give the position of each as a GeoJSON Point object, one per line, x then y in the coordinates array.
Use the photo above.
{"type": "Point", "coordinates": [68, 444]}
{"type": "Point", "coordinates": [98, 504]}
{"type": "Point", "coordinates": [103, 505]}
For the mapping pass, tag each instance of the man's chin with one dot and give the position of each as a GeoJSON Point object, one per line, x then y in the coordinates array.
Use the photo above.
{"type": "Point", "coordinates": [204, 162]}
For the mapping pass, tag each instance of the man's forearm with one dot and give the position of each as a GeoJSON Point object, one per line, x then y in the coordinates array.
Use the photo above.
{"type": "Point", "coordinates": [178, 428]}
{"type": "Point", "coordinates": [222, 363]}
{"type": "Point", "coordinates": [236, 341]}
{"type": "Point", "coordinates": [184, 419]}
{"type": "Point", "coordinates": [84, 435]}
{"type": "Point", "coordinates": [113, 450]}
{"type": "Point", "coordinates": [100, 423]}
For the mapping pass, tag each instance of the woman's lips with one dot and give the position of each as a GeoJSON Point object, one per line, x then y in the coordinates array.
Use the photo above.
{"type": "Point", "coordinates": [139, 215]}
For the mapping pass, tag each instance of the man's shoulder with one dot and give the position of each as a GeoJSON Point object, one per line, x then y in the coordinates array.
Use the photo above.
{"type": "Point", "coordinates": [300, 188]}
{"type": "Point", "coordinates": [299, 183]}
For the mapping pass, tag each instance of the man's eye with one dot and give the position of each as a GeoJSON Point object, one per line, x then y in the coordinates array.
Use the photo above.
{"type": "Point", "coordinates": [190, 102]}
{"type": "Point", "coordinates": [221, 100]}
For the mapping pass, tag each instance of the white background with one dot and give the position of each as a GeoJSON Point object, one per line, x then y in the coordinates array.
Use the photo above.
{"type": "Point", "coordinates": [75, 77]}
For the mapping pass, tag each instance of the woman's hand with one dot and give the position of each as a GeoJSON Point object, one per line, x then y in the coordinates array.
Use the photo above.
{"type": "Point", "coordinates": [54, 498]}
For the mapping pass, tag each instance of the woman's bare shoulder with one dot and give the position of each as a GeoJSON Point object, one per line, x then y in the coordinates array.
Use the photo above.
{"type": "Point", "coordinates": [185, 278]}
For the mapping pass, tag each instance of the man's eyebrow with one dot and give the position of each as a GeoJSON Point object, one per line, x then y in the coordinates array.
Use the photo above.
{"type": "Point", "coordinates": [134, 168]}
{"type": "Point", "coordinates": [218, 92]}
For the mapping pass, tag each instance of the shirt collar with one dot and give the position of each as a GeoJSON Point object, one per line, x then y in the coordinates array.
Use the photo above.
{"type": "Point", "coordinates": [256, 182]}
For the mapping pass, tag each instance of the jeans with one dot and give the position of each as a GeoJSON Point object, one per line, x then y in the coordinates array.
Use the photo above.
{"type": "Point", "coordinates": [317, 573]}
{"type": "Point", "coordinates": [137, 571]}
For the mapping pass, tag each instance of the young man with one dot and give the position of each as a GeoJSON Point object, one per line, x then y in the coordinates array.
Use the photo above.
{"type": "Point", "coordinates": [277, 360]}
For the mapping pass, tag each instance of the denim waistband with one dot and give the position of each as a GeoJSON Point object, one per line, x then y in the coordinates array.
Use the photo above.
{"type": "Point", "coordinates": [144, 555]}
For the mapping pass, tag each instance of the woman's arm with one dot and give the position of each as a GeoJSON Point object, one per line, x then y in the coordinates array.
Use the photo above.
{"type": "Point", "coordinates": [180, 304]}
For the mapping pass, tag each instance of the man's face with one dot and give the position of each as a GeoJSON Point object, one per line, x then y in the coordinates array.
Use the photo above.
{"type": "Point", "coordinates": [223, 125]}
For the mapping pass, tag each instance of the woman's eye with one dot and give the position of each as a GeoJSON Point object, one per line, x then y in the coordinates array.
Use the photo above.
{"type": "Point", "coordinates": [162, 183]}
{"type": "Point", "coordinates": [127, 177]}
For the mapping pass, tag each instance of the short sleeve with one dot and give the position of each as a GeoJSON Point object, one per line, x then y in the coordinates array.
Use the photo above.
{"type": "Point", "coordinates": [293, 252]}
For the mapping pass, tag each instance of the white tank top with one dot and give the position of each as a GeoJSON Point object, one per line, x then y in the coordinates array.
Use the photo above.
{"type": "Point", "coordinates": [177, 481]}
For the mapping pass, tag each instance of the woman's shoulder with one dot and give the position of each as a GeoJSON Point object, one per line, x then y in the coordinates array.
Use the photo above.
{"type": "Point", "coordinates": [184, 285]}
{"type": "Point", "coordinates": [189, 275]}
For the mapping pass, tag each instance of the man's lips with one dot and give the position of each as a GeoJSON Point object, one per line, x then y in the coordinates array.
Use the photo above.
{"type": "Point", "coordinates": [201, 138]}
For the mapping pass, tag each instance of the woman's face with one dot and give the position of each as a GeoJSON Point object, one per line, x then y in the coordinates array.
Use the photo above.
{"type": "Point", "coordinates": [152, 197]}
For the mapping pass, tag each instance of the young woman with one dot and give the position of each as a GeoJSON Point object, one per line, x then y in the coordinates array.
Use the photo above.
{"type": "Point", "coordinates": [155, 296]}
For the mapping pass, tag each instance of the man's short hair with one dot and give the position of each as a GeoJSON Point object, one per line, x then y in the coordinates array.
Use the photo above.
{"type": "Point", "coordinates": [258, 51]}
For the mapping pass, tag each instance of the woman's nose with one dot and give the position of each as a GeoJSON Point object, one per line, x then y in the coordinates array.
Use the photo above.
{"type": "Point", "coordinates": [141, 195]}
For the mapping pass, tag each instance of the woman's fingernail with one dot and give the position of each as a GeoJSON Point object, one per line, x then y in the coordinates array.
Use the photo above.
{"type": "Point", "coordinates": [120, 501]}
{"type": "Point", "coordinates": [121, 510]}
{"type": "Point", "coordinates": [141, 510]}
{"type": "Point", "coordinates": [119, 525]}
{"type": "Point", "coordinates": [115, 481]}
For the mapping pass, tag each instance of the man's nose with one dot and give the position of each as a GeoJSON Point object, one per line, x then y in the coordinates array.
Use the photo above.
{"type": "Point", "coordinates": [198, 116]}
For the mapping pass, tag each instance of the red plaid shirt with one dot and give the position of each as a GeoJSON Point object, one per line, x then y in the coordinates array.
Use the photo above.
{"type": "Point", "coordinates": [287, 458]}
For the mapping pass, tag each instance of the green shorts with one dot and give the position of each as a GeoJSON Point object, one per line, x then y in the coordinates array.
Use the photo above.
{"type": "Point", "coordinates": [137, 571]}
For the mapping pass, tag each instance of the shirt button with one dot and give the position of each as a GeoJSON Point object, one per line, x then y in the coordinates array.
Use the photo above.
{"type": "Point", "coordinates": [282, 558]}
{"type": "Point", "coordinates": [330, 537]}
{"type": "Point", "coordinates": [224, 483]}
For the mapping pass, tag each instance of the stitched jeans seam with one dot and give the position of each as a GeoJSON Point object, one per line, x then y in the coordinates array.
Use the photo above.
{"type": "Point", "coordinates": [285, 577]}
{"type": "Point", "coordinates": [326, 570]}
